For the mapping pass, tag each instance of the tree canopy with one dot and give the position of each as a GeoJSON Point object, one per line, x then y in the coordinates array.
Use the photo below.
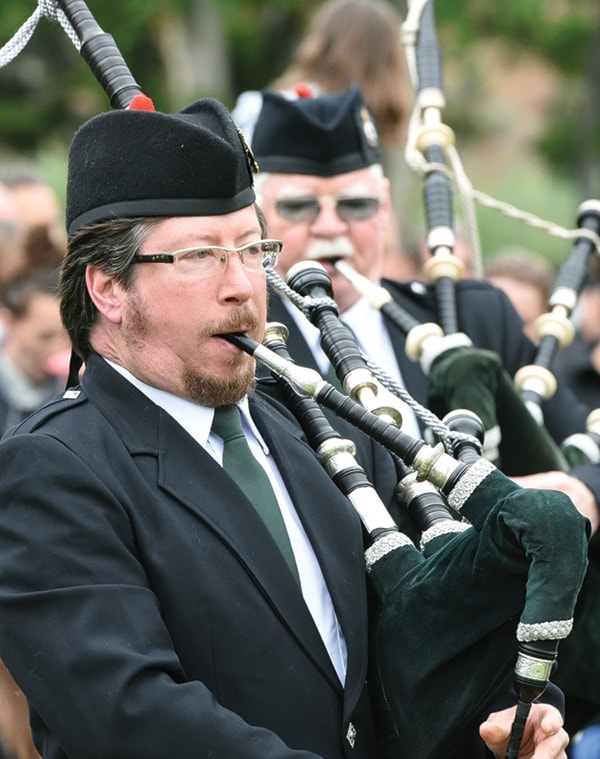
{"type": "Point", "coordinates": [179, 50]}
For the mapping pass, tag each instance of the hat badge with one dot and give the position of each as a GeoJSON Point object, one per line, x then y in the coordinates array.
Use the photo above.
{"type": "Point", "coordinates": [252, 162]}
{"type": "Point", "coordinates": [369, 129]}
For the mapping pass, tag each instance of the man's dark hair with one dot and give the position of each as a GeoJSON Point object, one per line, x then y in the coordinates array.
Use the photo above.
{"type": "Point", "coordinates": [109, 245]}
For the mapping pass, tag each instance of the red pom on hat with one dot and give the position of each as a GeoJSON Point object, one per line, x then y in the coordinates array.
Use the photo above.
{"type": "Point", "coordinates": [304, 90]}
{"type": "Point", "coordinates": [141, 102]}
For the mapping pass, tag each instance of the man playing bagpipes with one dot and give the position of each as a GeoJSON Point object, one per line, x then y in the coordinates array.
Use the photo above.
{"type": "Point", "coordinates": [146, 609]}
{"type": "Point", "coordinates": [151, 604]}
{"type": "Point", "coordinates": [322, 190]}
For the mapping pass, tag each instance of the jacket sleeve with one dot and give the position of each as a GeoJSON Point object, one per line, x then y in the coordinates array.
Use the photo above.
{"type": "Point", "coordinates": [81, 629]}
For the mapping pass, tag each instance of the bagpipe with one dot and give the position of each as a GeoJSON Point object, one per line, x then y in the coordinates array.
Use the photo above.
{"type": "Point", "coordinates": [493, 591]}
{"type": "Point", "coordinates": [308, 285]}
{"type": "Point", "coordinates": [484, 606]}
{"type": "Point", "coordinates": [460, 375]}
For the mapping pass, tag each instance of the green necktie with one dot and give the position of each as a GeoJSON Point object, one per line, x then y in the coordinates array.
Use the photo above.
{"type": "Point", "coordinates": [249, 475]}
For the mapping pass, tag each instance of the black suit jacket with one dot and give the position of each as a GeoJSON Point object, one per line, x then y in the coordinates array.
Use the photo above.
{"type": "Point", "coordinates": [144, 609]}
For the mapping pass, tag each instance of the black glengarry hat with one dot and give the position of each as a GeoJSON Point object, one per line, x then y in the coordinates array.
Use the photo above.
{"type": "Point", "coordinates": [322, 136]}
{"type": "Point", "coordinates": [130, 163]}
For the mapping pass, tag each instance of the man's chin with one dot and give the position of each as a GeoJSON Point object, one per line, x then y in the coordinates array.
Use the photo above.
{"type": "Point", "coordinates": [214, 390]}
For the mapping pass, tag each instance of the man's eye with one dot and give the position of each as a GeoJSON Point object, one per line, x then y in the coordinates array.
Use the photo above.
{"type": "Point", "coordinates": [201, 254]}
{"type": "Point", "coordinates": [299, 205]}
{"type": "Point", "coordinates": [254, 251]}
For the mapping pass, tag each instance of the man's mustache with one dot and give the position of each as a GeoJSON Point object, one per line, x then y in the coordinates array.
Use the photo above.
{"type": "Point", "coordinates": [341, 247]}
{"type": "Point", "coordinates": [242, 319]}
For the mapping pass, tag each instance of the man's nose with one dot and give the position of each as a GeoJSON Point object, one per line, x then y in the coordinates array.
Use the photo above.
{"type": "Point", "coordinates": [328, 222]}
{"type": "Point", "coordinates": [236, 283]}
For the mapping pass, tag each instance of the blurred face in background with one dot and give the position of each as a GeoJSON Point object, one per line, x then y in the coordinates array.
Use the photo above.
{"type": "Point", "coordinates": [588, 313]}
{"type": "Point", "coordinates": [10, 233]}
{"type": "Point", "coordinates": [38, 205]}
{"type": "Point", "coordinates": [34, 338]}
{"type": "Point", "coordinates": [529, 301]}
{"type": "Point", "coordinates": [327, 218]}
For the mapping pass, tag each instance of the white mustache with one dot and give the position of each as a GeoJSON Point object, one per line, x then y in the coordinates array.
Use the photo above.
{"type": "Point", "coordinates": [341, 247]}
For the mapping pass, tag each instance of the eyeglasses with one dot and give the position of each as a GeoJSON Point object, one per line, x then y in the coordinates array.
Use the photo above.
{"type": "Point", "coordinates": [307, 209]}
{"type": "Point", "coordinates": [199, 262]}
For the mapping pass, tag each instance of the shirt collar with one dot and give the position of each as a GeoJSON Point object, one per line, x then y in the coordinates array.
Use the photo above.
{"type": "Point", "coordinates": [195, 418]}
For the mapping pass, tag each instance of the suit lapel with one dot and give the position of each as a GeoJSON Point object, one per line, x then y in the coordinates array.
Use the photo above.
{"type": "Point", "coordinates": [417, 304]}
{"type": "Point", "coordinates": [333, 529]}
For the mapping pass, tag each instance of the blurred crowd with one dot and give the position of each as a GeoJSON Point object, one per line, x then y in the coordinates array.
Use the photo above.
{"type": "Point", "coordinates": [34, 349]}
{"type": "Point", "coordinates": [33, 343]}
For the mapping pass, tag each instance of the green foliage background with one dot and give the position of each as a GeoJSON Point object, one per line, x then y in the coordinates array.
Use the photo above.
{"type": "Point", "coordinates": [48, 90]}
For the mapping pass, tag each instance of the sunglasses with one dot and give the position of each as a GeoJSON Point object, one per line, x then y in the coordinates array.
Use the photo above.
{"type": "Point", "coordinates": [307, 209]}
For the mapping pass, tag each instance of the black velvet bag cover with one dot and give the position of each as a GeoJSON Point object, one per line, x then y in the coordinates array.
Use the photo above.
{"type": "Point", "coordinates": [474, 379]}
{"type": "Point", "coordinates": [446, 636]}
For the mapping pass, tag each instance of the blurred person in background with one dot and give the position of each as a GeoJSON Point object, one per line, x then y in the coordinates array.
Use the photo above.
{"type": "Point", "coordinates": [37, 203]}
{"type": "Point", "coordinates": [10, 233]}
{"type": "Point", "coordinates": [347, 41]}
{"type": "Point", "coordinates": [356, 41]}
{"type": "Point", "coordinates": [15, 734]}
{"type": "Point", "coordinates": [586, 743]}
{"type": "Point", "coordinates": [41, 249]}
{"type": "Point", "coordinates": [527, 278]}
{"type": "Point", "coordinates": [578, 364]}
{"type": "Point", "coordinates": [33, 337]}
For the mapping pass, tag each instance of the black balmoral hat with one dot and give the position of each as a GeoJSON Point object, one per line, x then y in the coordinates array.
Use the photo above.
{"type": "Point", "coordinates": [323, 136]}
{"type": "Point", "coordinates": [138, 163]}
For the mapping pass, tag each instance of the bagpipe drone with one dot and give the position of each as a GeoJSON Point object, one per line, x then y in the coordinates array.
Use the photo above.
{"type": "Point", "coordinates": [510, 410]}
{"type": "Point", "coordinates": [486, 604]}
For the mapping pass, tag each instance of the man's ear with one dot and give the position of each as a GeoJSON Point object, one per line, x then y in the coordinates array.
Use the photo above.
{"type": "Point", "coordinates": [105, 292]}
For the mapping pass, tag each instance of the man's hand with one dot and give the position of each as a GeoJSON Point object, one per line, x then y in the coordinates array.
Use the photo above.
{"type": "Point", "coordinates": [580, 494]}
{"type": "Point", "coordinates": [544, 737]}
